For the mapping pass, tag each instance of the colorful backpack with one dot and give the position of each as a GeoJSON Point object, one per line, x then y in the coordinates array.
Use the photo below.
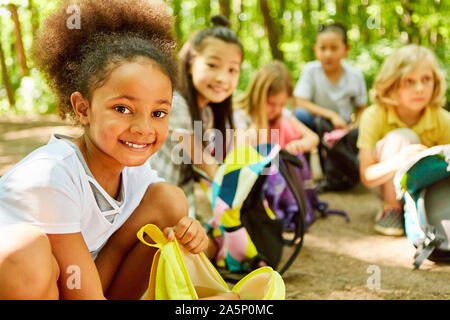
{"type": "Point", "coordinates": [282, 201]}
{"type": "Point", "coordinates": [248, 233]}
{"type": "Point", "coordinates": [424, 183]}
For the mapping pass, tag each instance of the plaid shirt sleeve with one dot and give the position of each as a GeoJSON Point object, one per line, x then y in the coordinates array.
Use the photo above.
{"type": "Point", "coordinates": [165, 161]}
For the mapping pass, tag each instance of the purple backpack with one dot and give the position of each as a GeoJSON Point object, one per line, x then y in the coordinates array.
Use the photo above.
{"type": "Point", "coordinates": [282, 201]}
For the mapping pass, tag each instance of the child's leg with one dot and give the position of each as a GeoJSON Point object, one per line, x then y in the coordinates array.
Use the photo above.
{"type": "Point", "coordinates": [305, 117]}
{"type": "Point", "coordinates": [28, 269]}
{"type": "Point", "coordinates": [389, 197]}
{"type": "Point", "coordinates": [124, 263]}
{"type": "Point", "coordinates": [388, 147]}
{"type": "Point", "coordinates": [390, 219]}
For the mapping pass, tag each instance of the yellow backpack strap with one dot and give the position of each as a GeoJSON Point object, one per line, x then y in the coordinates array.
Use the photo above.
{"type": "Point", "coordinates": [158, 237]}
{"type": "Point", "coordinates": [154, 233]}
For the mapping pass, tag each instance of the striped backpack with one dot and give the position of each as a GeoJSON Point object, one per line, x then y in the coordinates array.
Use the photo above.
{"type": "Point", "coordinates": [247, 231]}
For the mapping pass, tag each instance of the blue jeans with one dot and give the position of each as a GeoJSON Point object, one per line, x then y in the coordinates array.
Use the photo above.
{"type": "Point", "coordinates": [305, 117]}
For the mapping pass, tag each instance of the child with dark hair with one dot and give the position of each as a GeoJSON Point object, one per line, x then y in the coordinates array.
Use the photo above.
{"type": "Point", "coordinates": [72, 208]}
{"type": "Point", "coordinates": [210, 63]}
{"type": "Point", "coordinates": [329, 98]}
{"type": "Point", "coordinates": [328, 87]}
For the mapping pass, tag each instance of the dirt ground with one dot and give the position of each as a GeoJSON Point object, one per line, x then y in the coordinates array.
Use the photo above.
{"type": "Point", "coordinates": [338, 260]}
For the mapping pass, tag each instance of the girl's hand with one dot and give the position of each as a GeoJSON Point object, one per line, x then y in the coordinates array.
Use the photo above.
{"type": "Point", "coordinates": [189, 233]}
{"type": "Point", "coordinates": [295, 147]}
{"type": "Point", "coordinates": [337, 121]}
{"type": "Point", "coordinates": [409, 152]}
{"type": "Point", "coordinates": [352, 126]}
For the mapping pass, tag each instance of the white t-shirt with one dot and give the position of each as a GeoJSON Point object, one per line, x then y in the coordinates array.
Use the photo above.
{"type": "Point", "coordinates": [51, 190]}
{"type": "Point", "coordinates": [341, 97]}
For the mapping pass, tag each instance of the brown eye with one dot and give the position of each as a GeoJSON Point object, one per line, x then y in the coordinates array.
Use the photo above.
{"type": "Point", "coordinates": [122, 109]}
{"type": "Point", "coordinates": [159, 114]}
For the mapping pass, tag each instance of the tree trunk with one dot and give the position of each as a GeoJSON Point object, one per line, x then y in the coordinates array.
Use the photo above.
{"type": "Point", "coordinates": [207, 10]}
{"type": "Point", "coordinates": [225, 8]}
{"type": "Point", "coordinates": [410, 26]}
{"type": "Point", "coordinates": [34, 17]}
{"type": "Point", "coordinates": [342, 11]}
{"type": "Point", "coordinates": [271, 31]}
{"type": "Point", "coordinates": [307, 33]}
{"type": "Point", "coordinates": [177, 15]}
{"type": "Point", "coordinates": [363, 15]}
{"type": "Point", "coordinates": [5, 78]}
{"type": "Point", "coordinates": [439, 39]}
{"type": "Point", "coordinates": [239, 26]}
{"type": "Point", "coordinates": [19, 43]}
{"type": "Point", "coordinates": [280, 16]}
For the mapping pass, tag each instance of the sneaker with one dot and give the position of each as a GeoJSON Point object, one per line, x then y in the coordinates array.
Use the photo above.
{"type": "Point", "coordinates": [390, 222]}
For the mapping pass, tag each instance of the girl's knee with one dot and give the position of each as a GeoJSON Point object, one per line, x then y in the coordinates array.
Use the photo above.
{"type": "Point", "coordinates": [167, 202]}
{"type": "Point", "coordinates": [28, 269]}
{"type": "Point", "coordinates": [394, 141]}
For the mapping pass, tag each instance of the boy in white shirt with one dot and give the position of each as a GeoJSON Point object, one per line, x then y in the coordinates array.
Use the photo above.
{"type": "Point", "coordinates": [328, 87]}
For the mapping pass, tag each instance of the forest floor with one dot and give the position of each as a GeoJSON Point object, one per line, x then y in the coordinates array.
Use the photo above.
{"type": "Point", "coordinates": [338, 260]}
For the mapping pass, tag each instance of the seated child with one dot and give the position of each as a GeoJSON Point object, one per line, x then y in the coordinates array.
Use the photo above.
{"type": "Point", "coordinates": [210, 63]}
{"type": "Point", "coordinates": [329, 88]}
{"type": "Point", "coordinates": [70, 210]}
{"type": "Point", "coordinates": [329, 98]}
{"type": "Point", "coordinates": [406, 118]}
{"type": "Point", "coordinates": [262, 106]}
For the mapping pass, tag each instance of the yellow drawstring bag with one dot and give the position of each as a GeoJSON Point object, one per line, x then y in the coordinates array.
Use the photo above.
{"type": "Point", "coordinates": [177, 274]}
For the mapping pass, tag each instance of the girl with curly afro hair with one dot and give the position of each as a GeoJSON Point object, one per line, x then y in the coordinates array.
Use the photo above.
{"type": "Point", "coordinates": [70, 210]}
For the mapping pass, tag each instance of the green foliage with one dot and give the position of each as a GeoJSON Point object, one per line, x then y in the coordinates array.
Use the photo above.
{"type": "Point", "coordinates": [368, 57]}
{"type": "Point", "coordinates": [32, 96]}
{"type": "Point", "coordinates": [376, 27]}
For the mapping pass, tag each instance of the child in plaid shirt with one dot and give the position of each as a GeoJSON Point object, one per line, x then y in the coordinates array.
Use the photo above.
{"type": "Point", "coordinates": [210, 67]}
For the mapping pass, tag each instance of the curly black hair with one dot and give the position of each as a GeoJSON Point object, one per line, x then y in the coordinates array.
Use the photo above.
{"type": "Point", "coordinates": [110, 33]}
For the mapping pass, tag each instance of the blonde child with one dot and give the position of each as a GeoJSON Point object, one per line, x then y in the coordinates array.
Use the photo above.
{"type": "Point", "coordinates": [263, 104]}
{"type": "Point", "coordinates": [406, 118]}
{"type": "Point", "coordinates": [262, 111]}
{"type": "Point", "coordinates": [72, 207]}
{"type": "Point", "coordinates": [210, 63]}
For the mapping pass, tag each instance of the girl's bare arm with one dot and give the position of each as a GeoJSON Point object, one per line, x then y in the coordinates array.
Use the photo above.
{"type": "Point", "coordinates": [79, 278]}
{"type": "Point", "coordinates": [309, 140]}
{"type": "Point", "coordinates": [375, 173]}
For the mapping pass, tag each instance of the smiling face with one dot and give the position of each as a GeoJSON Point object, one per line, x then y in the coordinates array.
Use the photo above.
{"type": "Point", "coordinates": [330, 49]}
{"type": "Point", "coordinates": [215, 71]}
{"type": "Point", "coordinates": [127, 119]}
{"type": "Point", "coordinates": [416, 88]}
